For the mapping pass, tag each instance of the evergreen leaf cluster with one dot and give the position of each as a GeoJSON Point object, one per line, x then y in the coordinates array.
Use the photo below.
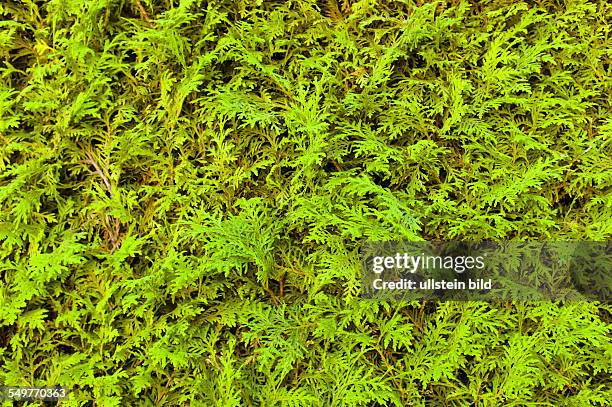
{"type": "Point", "coordinates": [185, 185]}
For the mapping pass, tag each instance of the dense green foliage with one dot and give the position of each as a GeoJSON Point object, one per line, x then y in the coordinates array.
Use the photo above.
{"type": "Point", "coordinates": [184, 186]}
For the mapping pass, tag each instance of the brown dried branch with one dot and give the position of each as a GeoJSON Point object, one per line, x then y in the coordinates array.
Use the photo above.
{"type": "Point", "coordinates": [98, 170]}
{"type": "Point", "coordinates": [112, 232]}
{"type": "Point", "coordinates": [143, 12]}
{"type": "Point", "coordinates": [333, 11]}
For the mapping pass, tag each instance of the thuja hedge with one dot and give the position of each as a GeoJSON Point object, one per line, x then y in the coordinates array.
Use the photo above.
{"type": "Point", "coordinates": [184, 187]}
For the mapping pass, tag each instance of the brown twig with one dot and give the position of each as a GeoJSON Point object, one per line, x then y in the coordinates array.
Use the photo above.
{"type": "Point", "coordinates": [113, 232]}
{"type": "Point", "coordinates": [99, 171]}
{"type": "Point", "coordinates": [282, 286]}
{"type": "Point", "coordinates": [111, 224]}
{"type": "Point", "coordinates": [143, 12]}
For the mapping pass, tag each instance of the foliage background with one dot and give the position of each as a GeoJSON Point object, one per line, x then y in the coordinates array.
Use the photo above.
{"type": "Point", "coordinates": [184, 186]}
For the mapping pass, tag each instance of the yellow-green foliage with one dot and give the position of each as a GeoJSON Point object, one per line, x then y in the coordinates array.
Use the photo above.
{"type": "Point", "coordinates": [184, 186]}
